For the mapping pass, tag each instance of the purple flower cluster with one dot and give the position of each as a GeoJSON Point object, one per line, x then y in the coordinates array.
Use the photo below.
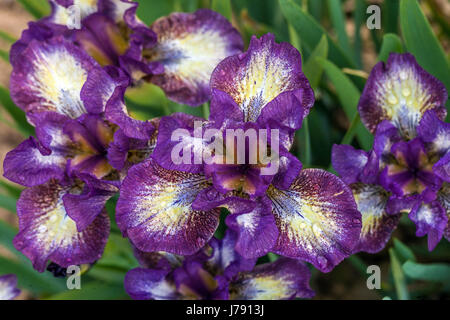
{"type": "Point", "coordinates": [72, 82]}
{"type": "Point", "coordinates": [408, 169]}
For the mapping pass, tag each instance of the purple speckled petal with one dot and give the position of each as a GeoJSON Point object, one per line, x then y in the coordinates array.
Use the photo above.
{"type": "Point", "coordinates": [8, 287]}
{"type": "Point", "coordinates": [279, 280]}
{"type": "Point", "coordinates": [260, 75]}
{"type": "Point", "coordinates": [177, 133]}
{"type": "Point", "coordinates": [150, 284]}
{"type": "Point", "coordinates": [377, 224]}
{"type": "Point", "coordinates": [83, 208]}
{"type": "Point", "coordinates": [257, 231]}
{"type": "Point", "coordinates": [154, 210]}
{"type": "Point", "coordinates": [435, 134]}
{"type": "Point", "coordinates": [49, 76]}
{"type": "Point", "coordinates": [30, 164]}
{"type": "Point", "coordinates": [400, 91]}
{"type": "Point", "coordinates": [46, 232]}
{"type": "Point", "coordinates": [317, 218]}
{"type": "Point", "coordinates": [430, 219]}
{"type": "Point", "coordinates": [190, 45]}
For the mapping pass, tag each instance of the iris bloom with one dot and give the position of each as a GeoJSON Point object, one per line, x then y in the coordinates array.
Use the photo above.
{"type": "Point", "coordinates": [65, 94]}
{"type": "Point", "coordinates": [309, 215]}
{"type": "Point", "coordinates": [408, 168]}
{"type": "Point", "coordinates": [177, 52]}
{"type": "Point", "coordinates": [8, 287]}
{"type": "Point", "coordinates": [216, 272]}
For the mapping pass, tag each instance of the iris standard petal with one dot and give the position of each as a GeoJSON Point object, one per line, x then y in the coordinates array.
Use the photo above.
{"type": "Point", "coordinates": [190, 45]}
{"type": "Point", "coordinates": [400, 91]}
{"type": "Point", "coordinates": [255, 78]}
{"type": "Point", "coordinates": [49, 76]}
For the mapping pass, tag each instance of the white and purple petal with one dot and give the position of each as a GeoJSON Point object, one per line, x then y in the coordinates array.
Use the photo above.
{"type": "Point", "coordinates": [150, 284]}
{"type": "Point", "coordinates": [401, 91]}
{"type": "Point", "coordinates": [190, 45]}
{"type": "Point", "coordinates": [317, 219]}
{"type": "Point", "coordinates": [46, 232]}
{"type": "Point", "coordinates": [279, 280]}
{"type": "Point", "coordinates": [431, 219]}
{"type": "Point", "coordinates": [377, 224]}
{"type": "Point", "coordinates": [49, 76]}
{"type": "Point", "coordinates": [8, 287]}
{"type": "Point", "coordinates": [155, 210]}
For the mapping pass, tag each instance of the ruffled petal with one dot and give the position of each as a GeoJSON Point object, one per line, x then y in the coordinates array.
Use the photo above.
{"type": "Point", "coordinates": [8, 287]}
{"type": "Point", "coordinates": [190, 45]}
{"type": "Point", "coordinates": [430, 219]}
{"type": "Point", "coordinates": [150, 284]}
{"type": "Point", "coordinates": [279, 280]}
{"type": "Point", "coordinates": [154, 210]}
{"type": "Point", "coordinates": [49, 76]}
{"type": "Point", "coordinates": [260, 75]}
{"type": "Point", "coordinates": [401, 91]}
{"type": "Point", "coordinates": [317, 219]}
{"type": "Point", "coordinates": [377, 224]}
{"type": "Point", "coordinates": [46, 232]}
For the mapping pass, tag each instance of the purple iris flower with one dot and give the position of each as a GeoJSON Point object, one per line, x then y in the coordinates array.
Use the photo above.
{"type": "Point", "coordinates": [408, 168]}
{"type": "Point", "coordinates": [8, 287]}
{"type": "Point", "coordinates": [71, 167]}
{"type": "Point", "coordinates": [216, 272]}
{"type": "Point", "coordinates": [174, 207]}
{"type": "Point", "coordinates": [177, 52]}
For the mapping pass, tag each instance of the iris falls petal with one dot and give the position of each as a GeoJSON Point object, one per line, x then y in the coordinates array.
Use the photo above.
{"type": "Point", "coordinates": [154, 210]}
{"type": "Point", "coordinates": [317, 219]}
